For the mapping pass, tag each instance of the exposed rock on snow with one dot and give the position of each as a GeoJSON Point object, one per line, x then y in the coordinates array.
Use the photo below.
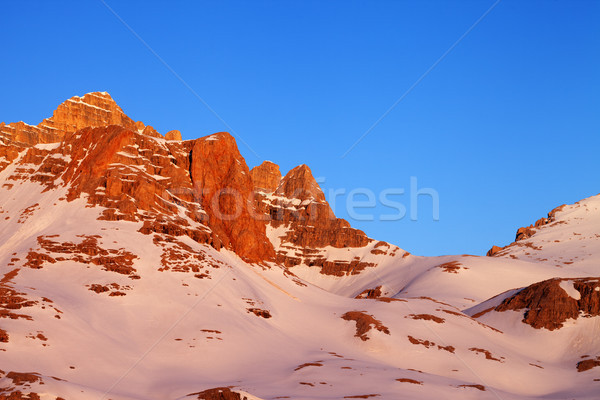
{"type": "Point", "coordinates": [222, 393]}
{"type": "Point", "coordinates": [548, 305]}
{"type": "Point", "coordinates": [364, 323]}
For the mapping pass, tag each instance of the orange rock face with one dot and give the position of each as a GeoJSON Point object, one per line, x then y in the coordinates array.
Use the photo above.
{"type": "Point", "coordinates": [266, 176]}
{"type": "Point", "coordinates": [300, 184]}
{"type": "Point", "coordinates": [150, 131]}
{"type": "Point", "coordinates": [224, 188]}
{"type": "Point", "coordinates": [3, 336]}
{"type": "Point", "coordinates": [28, 135]}
{"type": "Point", "coordinates": [135, 177]}
{"type": "Point", "coordinates": [92, 110]}
{"type": "Point", "coordinates": [173, 135]}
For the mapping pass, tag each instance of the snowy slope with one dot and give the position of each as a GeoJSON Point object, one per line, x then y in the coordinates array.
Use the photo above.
{"type": "Point", "coordinates": [570, 242]}
{"type": "Point", "coordinates": [103, 336]}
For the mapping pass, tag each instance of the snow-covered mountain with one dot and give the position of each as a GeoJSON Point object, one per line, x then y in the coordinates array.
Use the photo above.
{"type": "Point", "coordinates": [137, 266]}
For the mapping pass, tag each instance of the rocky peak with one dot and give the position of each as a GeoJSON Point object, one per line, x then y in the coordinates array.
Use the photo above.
{"type": "Point", "coordinates": [96, 109]}
{"type": "Point", "coordinates": [298, 206]}
{"type": "Point", "coordinates": [300, 184]}
{"type": "Point", "coordinates": [92, 110]}
{"type": "Point", "coordinates": [266, 176]}
{"type": "Point", "coordinates": [224, 188]}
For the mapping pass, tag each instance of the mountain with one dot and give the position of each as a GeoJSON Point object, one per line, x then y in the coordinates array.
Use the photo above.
{"type": "Point", "coordinates": [140, 266]}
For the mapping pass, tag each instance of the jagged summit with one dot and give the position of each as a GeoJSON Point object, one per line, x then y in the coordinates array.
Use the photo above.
{"type": "Point", "coordinates": [91, 110]}
{"type": "Point", "coordinates": [299, 183]}
{"type": "Point", "coordinates": [95, 109]}
{"type": "Point", "coordinates": [266, 176]}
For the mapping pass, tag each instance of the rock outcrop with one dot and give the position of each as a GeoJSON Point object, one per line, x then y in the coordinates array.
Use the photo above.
{"type": "Point", "coordinates": [548, 305]}
{"type": "Point", "coordinates": [364, 323]}
{"type": "Point", "coordinates": [526, 232]}
{"type": "Point", "coordinates": [221, 393]}
{"type": "Point", "coordinates": [266, 176]}
{"type": "Point", "coordinates": [587, 364]}
{"type": "Point", "coordinates": [18, 385]}
{"type": "Point", "coordinates": [493, 250]}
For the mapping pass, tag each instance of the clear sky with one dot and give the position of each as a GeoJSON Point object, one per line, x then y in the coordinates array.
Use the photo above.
{"type": "Point", "coordinates": [504, 128]}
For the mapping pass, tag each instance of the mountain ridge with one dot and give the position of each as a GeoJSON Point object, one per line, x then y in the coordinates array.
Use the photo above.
{"type": "Point", "coordinates": [136, 267]}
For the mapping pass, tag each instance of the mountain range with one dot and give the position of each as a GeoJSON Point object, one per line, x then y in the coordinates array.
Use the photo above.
{"type": "Point", "coordinates": [136, 265]}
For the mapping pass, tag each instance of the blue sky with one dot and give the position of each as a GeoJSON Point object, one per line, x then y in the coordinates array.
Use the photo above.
{"type": "Point", "coordinates": [504, 128]}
